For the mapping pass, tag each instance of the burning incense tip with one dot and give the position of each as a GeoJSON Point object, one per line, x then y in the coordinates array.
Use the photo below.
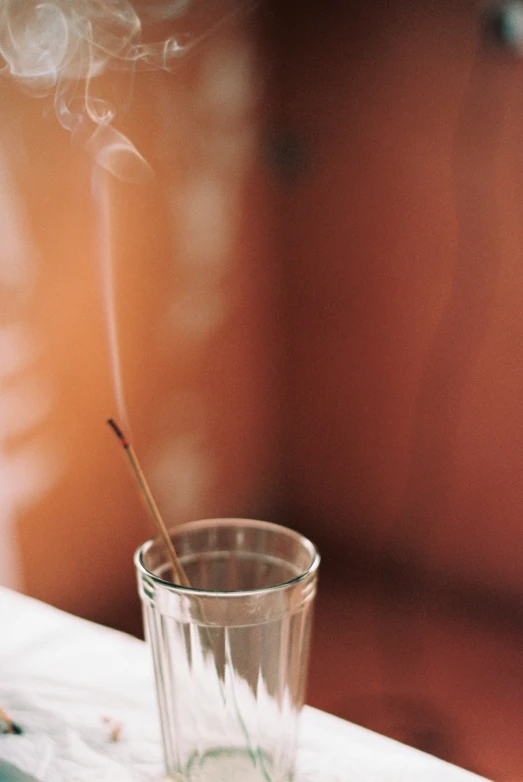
{"type": "Point", "coordinates": [114, 426]}
{"type": "Point", "coordinates": [177, 567]}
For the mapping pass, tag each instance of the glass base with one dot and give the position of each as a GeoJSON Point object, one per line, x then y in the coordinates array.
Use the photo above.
{"type": "Point", "coordinates": [228, 765]}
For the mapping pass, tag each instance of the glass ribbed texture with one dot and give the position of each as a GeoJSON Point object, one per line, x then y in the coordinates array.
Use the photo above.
{"type": "Point", "coordinates": [230, 654]}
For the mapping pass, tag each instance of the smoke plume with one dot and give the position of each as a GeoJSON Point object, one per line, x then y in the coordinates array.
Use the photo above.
{"type": "Point", "coordinates": [62, 48]}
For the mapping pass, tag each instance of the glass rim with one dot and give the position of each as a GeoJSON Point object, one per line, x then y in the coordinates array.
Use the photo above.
{"type": "Point", "coordinates": [228, 522]}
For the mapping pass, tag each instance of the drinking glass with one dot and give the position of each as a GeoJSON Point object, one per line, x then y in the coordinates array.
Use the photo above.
{"type": "Point", "coordinates": [230, 652]}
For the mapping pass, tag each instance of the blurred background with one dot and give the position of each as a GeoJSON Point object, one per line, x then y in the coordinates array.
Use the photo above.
{"type": "Point", "coordinates": [318, 301]}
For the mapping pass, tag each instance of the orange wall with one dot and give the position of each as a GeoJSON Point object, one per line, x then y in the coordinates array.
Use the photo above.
{"type": "Point", "coordinates": [404, 284]}
{"type": "Point", "coordinates": [384, 265]}
{"type": "Point", "coordinates": [193, 270]}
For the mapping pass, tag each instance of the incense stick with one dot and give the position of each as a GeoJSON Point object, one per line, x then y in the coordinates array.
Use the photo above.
{"type": "Point", "coordinates": [179, 572]}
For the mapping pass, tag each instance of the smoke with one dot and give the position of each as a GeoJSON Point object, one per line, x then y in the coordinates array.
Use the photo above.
{"type": "Point", "coordinates": [161, 11]}
{"type": "Point", "coordinates": [102, 202]}
{"type": "Point", "coordinates": [62, 48]}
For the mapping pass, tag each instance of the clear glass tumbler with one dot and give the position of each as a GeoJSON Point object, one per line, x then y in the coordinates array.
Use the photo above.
{"type": "Point", "coordinates": [230, 653]}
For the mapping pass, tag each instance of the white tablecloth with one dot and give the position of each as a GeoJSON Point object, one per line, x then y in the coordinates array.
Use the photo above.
{"type": "Point", "coordinates": [68, 682]}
